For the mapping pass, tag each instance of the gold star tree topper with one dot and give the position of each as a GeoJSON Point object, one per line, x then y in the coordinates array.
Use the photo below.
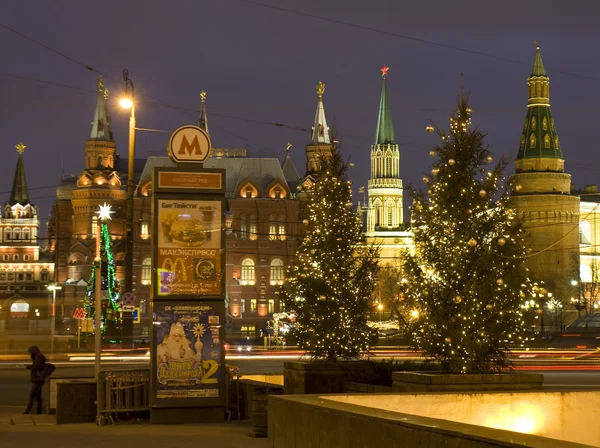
{"type": "Point", "coordinates": [104, 212]}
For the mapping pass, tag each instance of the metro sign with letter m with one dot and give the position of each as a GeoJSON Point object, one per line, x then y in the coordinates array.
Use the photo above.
{"type": "Point", "coordinates": [189, 144]}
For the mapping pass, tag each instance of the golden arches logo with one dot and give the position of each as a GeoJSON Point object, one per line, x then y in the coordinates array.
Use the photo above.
{"type": "Point", "coordinates": [168, 265]}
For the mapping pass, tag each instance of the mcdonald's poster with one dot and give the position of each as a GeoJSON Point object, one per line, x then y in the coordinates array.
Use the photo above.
{"type": "Point", "coordinates": [187, 347]}
{"type": "Point", "coordinates": [189, 248]}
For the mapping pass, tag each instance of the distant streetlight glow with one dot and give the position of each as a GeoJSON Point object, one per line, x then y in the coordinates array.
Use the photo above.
{"type": "Point", "coordinates": [380, 307]}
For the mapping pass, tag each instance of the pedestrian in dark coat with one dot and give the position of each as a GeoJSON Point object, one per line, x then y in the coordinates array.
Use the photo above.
{"type": "Point", "coordinates": [37, 383]}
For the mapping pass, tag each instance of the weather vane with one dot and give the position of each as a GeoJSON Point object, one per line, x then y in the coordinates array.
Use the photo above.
{"type": "Point", "coordinates": [320, 89]}
{"type": "Point", "coordinates": [20, 147]}
{"type": "Point", "coordinates": [384, 71]}
{"type": "Point", "coordinates": [203, 96]}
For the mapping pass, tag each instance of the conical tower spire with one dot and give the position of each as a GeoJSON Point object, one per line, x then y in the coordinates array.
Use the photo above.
{"type": "Point", "coordinates": [385, 129]}
{"type": "Point", "coordinates": [320, 130]}
{"type": "Point", "coordinates": [538, 65]}
{"type": "Point", "coordinates": [539, 138]}
{"type": "Point", "coordinates": [19, 193]}
{"type": "Point", "coordinates": [203, 120]}
{"type": "Point", "coordinates": [101, 129]}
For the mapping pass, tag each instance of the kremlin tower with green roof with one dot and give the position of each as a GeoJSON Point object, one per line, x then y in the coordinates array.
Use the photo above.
{"type": "Point", "coordinates": [541, 192]}
{"type": "Point", "coordinates": [385, 212]}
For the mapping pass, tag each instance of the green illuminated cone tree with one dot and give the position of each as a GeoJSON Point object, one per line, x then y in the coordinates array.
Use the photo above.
{"type": "Point", "coordinates": [329, 288]}
{"type": "Point", "coordinates": [467, 273]}
{"type": "Point", "coordinates": [110, 289]}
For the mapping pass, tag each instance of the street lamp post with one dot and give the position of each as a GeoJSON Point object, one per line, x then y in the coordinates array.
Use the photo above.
{"type": "Point", "coordinates": [380, 308]}
{"type": "Point", "coordinates": [53, 287]}
{"type": "Point", "coordinates": [128, 103]}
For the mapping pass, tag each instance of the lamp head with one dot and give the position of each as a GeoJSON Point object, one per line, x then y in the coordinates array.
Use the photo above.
{"type": "Point", "coordinates": [126, 103]}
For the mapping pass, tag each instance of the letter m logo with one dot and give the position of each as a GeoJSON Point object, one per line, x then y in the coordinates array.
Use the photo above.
{"type": "Point", "coordinates": [191, 148]}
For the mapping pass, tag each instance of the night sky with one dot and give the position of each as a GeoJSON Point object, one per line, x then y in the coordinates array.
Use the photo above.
{"type": "Point", "coordinates": [261, 65]}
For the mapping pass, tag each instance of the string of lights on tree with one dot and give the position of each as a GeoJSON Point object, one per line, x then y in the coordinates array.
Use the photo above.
{"type": "Point", "coordinates": [110, 285]}
{"type": "Point", "coordinates": [329, 288]}
{"type": "Point", "coordinates": [467, 275]}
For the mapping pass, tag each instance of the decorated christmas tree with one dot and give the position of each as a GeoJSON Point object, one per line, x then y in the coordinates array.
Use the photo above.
{"type": "Point", "coordinates": [467, 274]}
{"type": "Point", "coordinates": [330, 287]}
{"type": "Point", "coordinates": [110, 291]}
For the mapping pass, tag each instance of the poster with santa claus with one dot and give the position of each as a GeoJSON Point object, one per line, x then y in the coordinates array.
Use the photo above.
{"type": "Point", "coordinates": [187, 349]}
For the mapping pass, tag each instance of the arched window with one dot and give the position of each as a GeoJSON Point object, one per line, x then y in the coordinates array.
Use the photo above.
{"type": "Point", "coordinates": [99, 161]}
{"type": "Point", "coordinates": [277, 272]}
{"type": "Point", "coordinates": [25, 257]}
{"type": "Point", "coordinates": [146, 271]}
{"type": "Point", "coordinates": [8, 234]}
{"type": "Point", "coordinates": [94, 225]}
{"type": "Point", "coordinates": [272, 228]}
{"type": "Point", "coordinates": [390, 215]}
{"type": "Point", "coordinates": [44, 275]}
{"type": "Point", "coordinates": [546, 141]}
{"type": "Point", "coordinates": [15, 257]}
{"type": "Point", "coordinates": [145, 227]}
{"type": "Point", "coordinates": [532, 140]}
{"type": "Point", "coordinates": [248, 272]}
{"type": "Point", "coordinates": [281, 225]}
{"type": "Point", "coordinates": [377, 210]}
{"type": "Point", "coordinates": [388, 165]}
{"type": "Point", "coordinates": [5, 257]}
{"type": "Point", "coordinates": [585, 233]}
{"type": "Point", "coordinates": [26, 234]}
{"type": "Point", "coordinates": [17, 234]}
{"type": "Point", "coordinates": [243, 227]}
{"type": "Point", "coordinates": [253, 228]}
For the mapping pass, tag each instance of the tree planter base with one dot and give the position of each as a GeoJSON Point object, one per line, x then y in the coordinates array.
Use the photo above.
{"type": "Point", "coordinates": [315, 377]}
{"type": "Point", "coordinates": [444, 382]}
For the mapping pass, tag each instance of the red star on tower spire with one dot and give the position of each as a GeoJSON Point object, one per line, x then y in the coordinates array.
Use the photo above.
{"type": "Point", "coordinates": [384, 71]}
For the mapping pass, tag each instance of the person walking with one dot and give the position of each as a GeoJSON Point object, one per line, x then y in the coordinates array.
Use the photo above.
{"type": "Point", "coordinates": [37, 383]}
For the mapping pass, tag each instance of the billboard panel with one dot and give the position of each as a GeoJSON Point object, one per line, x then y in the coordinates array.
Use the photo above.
{"type": "Point", "coordinates": [188, 364]}
{"type": "Point", "coordinates": [189, 248]}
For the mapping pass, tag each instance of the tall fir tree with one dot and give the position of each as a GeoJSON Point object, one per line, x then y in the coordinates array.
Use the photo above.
{"type": "Point", "coordinates": [467, 274]}
{"type": "Point", "coordinates": [330, 287]}
{"type": "Point", "coordinates": [110, 289]}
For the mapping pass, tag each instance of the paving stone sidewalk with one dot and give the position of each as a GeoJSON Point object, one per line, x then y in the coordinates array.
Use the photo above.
{"type": "Point", "coordinates": [31, 431]}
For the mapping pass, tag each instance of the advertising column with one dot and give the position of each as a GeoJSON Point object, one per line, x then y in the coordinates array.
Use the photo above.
{"type": "Point", "coordinates": [187, 354]}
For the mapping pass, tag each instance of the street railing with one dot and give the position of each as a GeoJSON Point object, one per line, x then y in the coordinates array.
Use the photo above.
{"type": "Point", "coordinates": [122, 391]}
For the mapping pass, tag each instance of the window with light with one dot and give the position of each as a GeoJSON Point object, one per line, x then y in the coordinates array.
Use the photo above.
{"type": "Point", "coordinates": [248, 272]}
{"type": "Point", "coordinates": [253, 228]}
{"type": "Point", "coordinates": [146, 271]}
{"type": "Point", "coordinates": [94, 225]}
{"type": "Point", "coordinates": [243, 227]}
{"type": "Point", "coordinates": [277, 271]}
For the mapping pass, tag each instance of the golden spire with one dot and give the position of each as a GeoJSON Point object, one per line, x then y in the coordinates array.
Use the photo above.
{"type": "Point", "coordinates": [287, 147]}
{"type": "Point", "coordinates": [203, 96]}
{"type": "Point", "coordinates": [100, 83]}
{"type": "Point", "coordinates": [320, 90]}
{"type": "Point", "coordinates": [20, 147]}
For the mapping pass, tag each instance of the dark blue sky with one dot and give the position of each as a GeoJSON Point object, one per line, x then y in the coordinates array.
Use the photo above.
{"type": "Point", "coordinates": [263, 64]}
